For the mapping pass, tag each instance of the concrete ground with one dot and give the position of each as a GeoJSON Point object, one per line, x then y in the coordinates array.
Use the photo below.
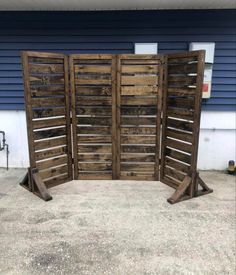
{"type": "Point", "coordinates": [105, 227]}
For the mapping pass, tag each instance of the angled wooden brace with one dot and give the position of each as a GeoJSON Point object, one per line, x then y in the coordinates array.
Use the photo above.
{"type": "Point", "coordinates": [33, 182]}
{"type": "Point", "coordinates": [205, 189]}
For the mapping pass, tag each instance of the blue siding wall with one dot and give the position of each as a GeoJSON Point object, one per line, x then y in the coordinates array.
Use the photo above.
{"type": "Point", "coordinates": [116, 32]}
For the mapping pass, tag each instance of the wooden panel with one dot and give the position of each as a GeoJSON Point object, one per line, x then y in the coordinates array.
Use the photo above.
{"type": "Point", "coordinates": [47, 106]}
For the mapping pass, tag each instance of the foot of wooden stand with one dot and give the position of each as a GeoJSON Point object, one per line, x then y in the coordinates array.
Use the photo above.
{"type": "Point", "coordinates": [180, 193]}
{"type": "Point", "coordinates": [33, 182]}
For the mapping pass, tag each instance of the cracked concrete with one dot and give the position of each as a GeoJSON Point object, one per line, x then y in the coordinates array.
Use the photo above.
{"type": "Point", "coordinates": [116, 227]}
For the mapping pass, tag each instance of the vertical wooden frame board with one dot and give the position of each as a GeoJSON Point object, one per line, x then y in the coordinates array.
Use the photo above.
{"type": "Point", "coordinates": [139, 81]}
{"type": "Point", "coordinates": [93, 84]}
{"type": "Point", "coordinates": [181, 117]}
{"type": "Point", "coordinates": [48, 116]}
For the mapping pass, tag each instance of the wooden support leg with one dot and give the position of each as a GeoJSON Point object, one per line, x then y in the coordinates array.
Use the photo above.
{"type": "Point", "coordinates": [205, 189]}
{"type": "Point", "coordinates": [33, 182]}
{"type": "Point", "coordinates": [179, 192]}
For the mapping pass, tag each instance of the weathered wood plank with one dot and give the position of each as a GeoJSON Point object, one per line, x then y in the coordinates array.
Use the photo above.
{"type": "Point", "coordinates": [93, 91]}
{"type": "Point", "coordinates": [49, 133]}
{"type": "Point", "coordinates": [94, 176]}
{"type": "Point", "coordinates": [177, 165]}
{"type": "Point", "coordinates": [138, 130]}
{"type": "Point", "coordinates": [103, 121]}
{"type": "Point", "coordinates": [184, 91]}
{"type": "Point", "coordinates": [60, 179]}
{"type": "Point", "coordinates": [52, 162]}
{"type": "Point", "coordinates": [182, 68]}
{"type": "Point", "coordinates": [180, 113]}
{"type": "Point", "coordinates": [127, 157]}
{"type": "Point", "coordinates": [93, 80]}
{"type": "Point", "coordinates": [95, 166]}
{"type": "Point", "coordinates": [46, 80]}
{"type": "Point", "coordinates": [139, 69]}
{"type": "Point", "coordinates": [45, 60]}
{"type": "Point", "coordinates": [181, 60]}
{"type": "Point", "coordinates": [92, 69]}
{"type": "Point", "coordinates": [138, 110]}
{"type": "Point", "coordinates": [137, 149]}
{"type": "Point", "coordinates": [178, 155]}
{"type": "Point", "coordinates": [139, 80]}
{"type": "Point", "coordinates": [179, 145]}
{"type": "Point", "coordinates": [139, 90]}
{"type": "Point", "coordinates": [141, 101]}
{"type": "Point", "coordinates": [181, 125]}
{"type": "Point", "coordinates": [45, 123]}
{"type": "Point", "coordinates": [95, 157]}
{"type": "Point", "coordinates": [103, 130]}
{"type": "Point", "coordinates": [174, 174]}
{"type": "Point", "coordinates": [181, 102]}
{"type": "Point", "coordinates": [94, 149]}
{"type": "Point", "coordinates": [94, 139]}
{"type": "Point", "coordinates": [43, 144]}
{"type": "Point", "coordinates": [127, 175]}
{"type": "Point", "coordinates": [49, 112]}
{"type": "Point", "coordinates": [181, 80]}
{"type": "Point", "coordinates": [46, 68]}
{"type": "Point", "coordinates": [179, 135]}
{"type": "Point", "coordinates": [138, 120]}
{"type": "Point", "coordinates": [93, 100]}
{"type": "Point", "coordinates": [46, 102]}
{"type": "Point", "coordinates": [45, 174]}
{"type": "Point", "coordinates": [51, 153]}
{"type": "Point", "coordinates": [137, 167]}
{"type": "Point", "coordinates": [94, 110]}
{"type": "Point", "coordinates": [137, 139]}
{"type": "Point", "coordinates": [139, 62]}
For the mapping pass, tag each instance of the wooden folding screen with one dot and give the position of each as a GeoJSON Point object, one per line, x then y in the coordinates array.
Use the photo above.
{"type": "Point", "coordinates": [139, 80]}
{"type": "Point", "coordinates": [48, 120]}
{"type": "Point", "coordinates": [114, 118]}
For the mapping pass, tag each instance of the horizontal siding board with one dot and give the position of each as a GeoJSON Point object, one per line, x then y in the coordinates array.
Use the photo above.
{"type": "Point", "coordinates": [115, 33]}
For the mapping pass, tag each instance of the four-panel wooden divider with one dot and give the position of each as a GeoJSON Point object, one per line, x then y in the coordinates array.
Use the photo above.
{"type": "Point", "coordinates": [102, 116]}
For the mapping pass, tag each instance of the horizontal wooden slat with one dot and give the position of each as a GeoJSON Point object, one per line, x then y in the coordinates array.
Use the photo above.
{"type": "Point", "coordinates": [49, 112]}
{"type": "Point", "coordinates": [138, 110]}
{"type": "Point", "coordinates": [181, 80]}
{"type": "Point", "coordinates": [51, 162]}
{"type": "Point", "coordinates": [139, 62]}
{"type": "Point", "coordinates": [46, 80]}
{"type": "Point", "coordinates": [127, 100]}
{"type": "Point", "coordinates": [127, 157]}
{"type": "Point", "coordinates": [182, 69]}
{"type": "Point", "coordinates": [138, 130]}
{"type": "Point", "coordinates": [93, 91]}
{"type": "Point", "coordinates": [174, 174]}
{"type": "Point", "coordinates": [178, 155]}
{"type": "Point", "coordinates": [60, 179]}
{"type": "Point", "coordinates": [94, 69]}
{"type": "Point", "coordinates": [92, 100]}
{"type": "Point", "coordinates": [137, 149]}
{"type": "Point", "coordinates": [46, 60]}
{"type": "Point", "coordinates": [143, 69]}
{"type": "Point", "coordinates": [139, 80]}
{"type": "Point", "coordinates": [181, 91]}
{"type": "Point", "coordinates": [137, 167]}
{"type": "Point", "coordinates": [95, 166]}
{"type": "Point", "coordinates": [43, 144]}
{"type": "Point", "coordinates": [91, 57]}
{"type": "Point", "coordinates": [50, 153]}
{"type": "Point", "coordinates": [46, 68]}
{"type": "Point", "coordinates": [48, 91]}
{"type": "Point", "coordinates": [94, 130]}
{"type": "Point", "coordinates": [137, 139]}
{"type": "Point", "coordinates": [179, 135]}
{"type": "Point", "coordinates": [178, 124]}
{"type": "Point", "coordinates": [50, 101]}
{"type": "Point", "coordinates": [93, 80]}
{"type": "Point", "coordinates": [49, 133]}
{"type": "Point", "coordinates": [53, 172]}
{"type": "Point", "coordinates": [94, 176]}
{"type": "Point", "coordinates": [94, 110]}
{"type": "Point", "coordinates": [105, 121]}
{"type": "Point", "coordinates": [126, 175]}
{"type": "Point", "coordinates": [139, 90]}
{"type": "Point", "coordinates": [94, 139]}
{"type": "Point", "coordinates": [182, 60]}
{"type": "Point", "coordinates": [48, 123]}
{"type": "Point", "coordinates": [138, 120]}
{"type": "Point", "coordinates": [180, 113]}
{"type": "Point", "coordinates": [181, 102]}
{"type": "Point", "coordinates": [94, 149]}
{"type": "Point", "coordinates": [178, 145]}
{"type": "Point", "coordinates": [95, 157]}
{"type": "Point", "coordinates": [177, 165]}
